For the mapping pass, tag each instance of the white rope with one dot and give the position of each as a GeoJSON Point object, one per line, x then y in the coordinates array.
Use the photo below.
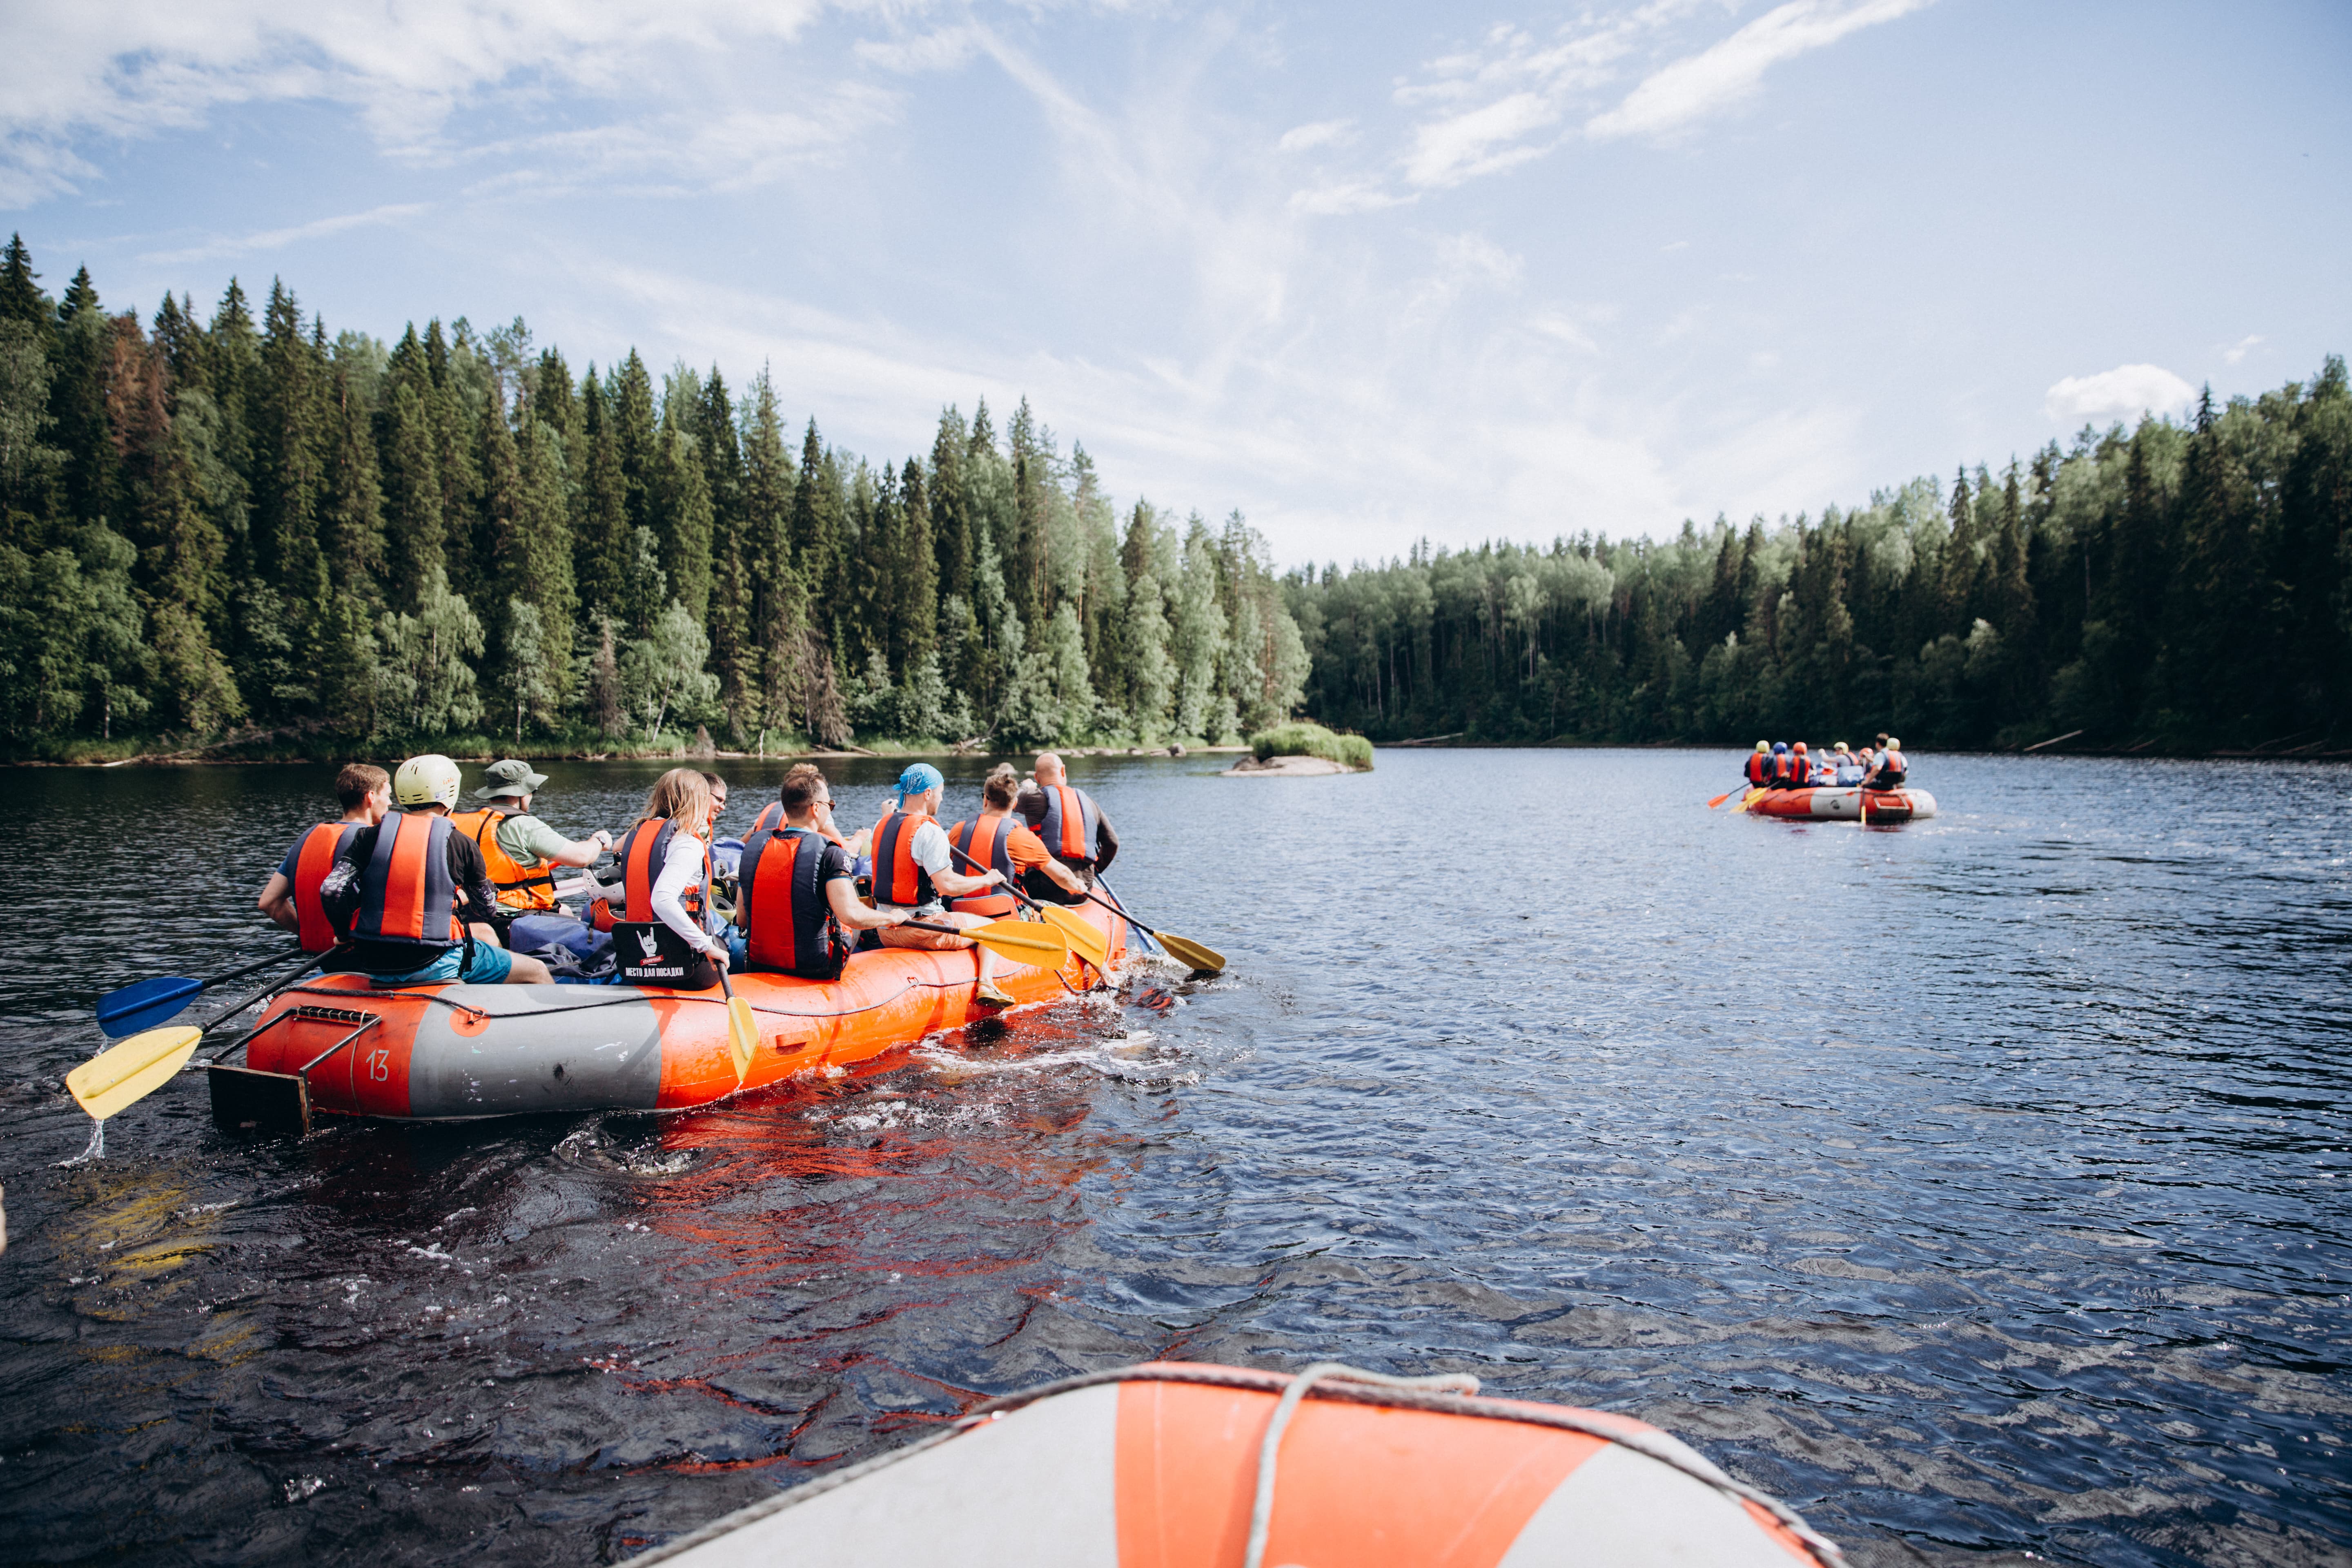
{"type": "Point", "coordinates": [1269, 1447]}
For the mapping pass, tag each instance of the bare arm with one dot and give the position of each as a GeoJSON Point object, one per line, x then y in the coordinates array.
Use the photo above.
{"type": "Point", "coordinates": [277, 901]}
{"type": "Point", "coordinates": [1062, 876]}
{"type": "Point", "coordinates": [580, 852]}
{"type": "Point", "coordinates": [841, 893]}
{"type": "Point", "coordinates": [956, 885]}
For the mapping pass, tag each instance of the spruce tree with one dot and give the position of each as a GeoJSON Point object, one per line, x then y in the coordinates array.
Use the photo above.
{"type": "Point", "coordinates": [22, 298]}
{"type": "Point", "coordinates": [916, 573]}
{"type": "Point", "coordinates": [952, 537]}
{"type": "Point", "coordinates": [604, 547]}
{"type": "Point", "coordinates": [289, 427]}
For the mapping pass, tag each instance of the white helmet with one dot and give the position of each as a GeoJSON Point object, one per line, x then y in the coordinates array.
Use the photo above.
{"type": "Point", "coordinates": [429, 779]}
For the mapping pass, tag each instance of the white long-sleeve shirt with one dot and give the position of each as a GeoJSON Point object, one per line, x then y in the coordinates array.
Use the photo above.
{"type": "Point", "coordinates": [681, 870]}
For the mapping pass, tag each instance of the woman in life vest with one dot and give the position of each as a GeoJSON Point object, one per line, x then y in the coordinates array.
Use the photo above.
{"type": "Point", "coordinates": [1848, 768]}
{"type": "Point", "coordinates": [396, 891]}
{"type": "Point", "coordinates": [799, 887]}
{"type": "Point", "coordinates": [290, 897]}
{"type": "Point", "coordinates": [994, 841]}
{"type": "Point", "coordinates": [914, 874]}
{"type": "Point", "coordinates": [1892, 769]}
{"type": "Point", "coordinates": [1759, 766]}
{"type": "Point", "coordinates": [665, 935]}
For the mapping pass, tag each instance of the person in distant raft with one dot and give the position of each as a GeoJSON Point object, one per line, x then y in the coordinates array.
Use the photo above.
{"type": "Point", "coordinates": [1892, 769]}
{"type": "Point", "coordinates": [799, 887]}
{"type": "Point", "coordinates": [914, 874]}
{"type": "Point", "coordinates": [1759, 766]}
{"type": "Point", "coordinates": [290, 897]}
{"type": "Point", "coordinates": [994, 841]}
{"type": "Point", "coordinates": [398, 890]}
{"type": "Point", "coordinates": [1074, 828]}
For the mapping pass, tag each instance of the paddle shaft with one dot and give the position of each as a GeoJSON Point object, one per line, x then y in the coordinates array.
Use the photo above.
{"type": "Point", "coordinates": [272, 989]}
{"type": "Point", "coordinates": [239, 974]}
{"type": "Point", "coordinates": [1120, 906]}
{"type": "Point", "coordinates": [1009, 885]}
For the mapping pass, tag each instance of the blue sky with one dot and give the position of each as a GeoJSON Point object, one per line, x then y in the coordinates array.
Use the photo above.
{"type": "Point", "coordinates": [1368, 273]}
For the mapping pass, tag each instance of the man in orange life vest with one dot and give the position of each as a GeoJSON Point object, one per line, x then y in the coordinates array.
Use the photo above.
{"type": "Point", "coordinates": [396, 889]}
{"type": "Point", "coordinates": [290, 897]}
{"type": "Point", "coordinates": [1074, 828]}
{"type": "Point", "coordinates": [914, 872]}
{"type": "Point", "coordinates": [799, 887]}
{"type": "Point", "coordinates": [993, 842]}
{"type": "Point", "coordinates": [521, 851]}
{"type": "Point", "coordinates": [1892, 768]}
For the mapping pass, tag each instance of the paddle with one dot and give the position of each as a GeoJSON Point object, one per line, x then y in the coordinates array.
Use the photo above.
{"type": "Point", "coordinates": [742, 1029]}
{"type": "Point", "coordinates": [151, 1002]}
{"type": "Point", "coordinates": [1201, 960]}
{"type": "Point", "coordinates": [116, 1077]}
{"type": "Point", "coordinates": [1082, 935]}
{"type": "Point", "coordinates": [1023, 941]}
{"type": "Point", "coordinates": [1726, 794]}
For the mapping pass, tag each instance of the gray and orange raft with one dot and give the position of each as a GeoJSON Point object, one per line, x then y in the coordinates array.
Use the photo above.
{"type": "Point", "coordinates": [340, 1044]}
{"type": "Point", "coordinates": [1192, 1466]}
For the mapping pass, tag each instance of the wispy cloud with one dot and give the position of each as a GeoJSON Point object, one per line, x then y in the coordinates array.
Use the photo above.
{"type": "Point", "coordinates": [278, 239]}
{"type": "Point", "coordinates": [1320, 133]}
{"type": "Point", "coordinates": [1715, 79]}
{"type": "Point", "coordinates": [2125, 391]}
{"type": "Point", "coordinates": [2238, 351]}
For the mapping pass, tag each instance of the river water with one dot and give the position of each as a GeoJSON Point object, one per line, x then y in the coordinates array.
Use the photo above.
{"type": "Point", "coordinates": [1979, 1185]}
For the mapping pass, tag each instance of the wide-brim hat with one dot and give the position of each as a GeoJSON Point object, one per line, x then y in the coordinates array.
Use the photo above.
{"type": "Point", "coordinates": [512, 776]}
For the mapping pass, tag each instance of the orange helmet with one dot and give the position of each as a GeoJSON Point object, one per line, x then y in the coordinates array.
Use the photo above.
{"type": "Point", "coordinates": [1799, 748]}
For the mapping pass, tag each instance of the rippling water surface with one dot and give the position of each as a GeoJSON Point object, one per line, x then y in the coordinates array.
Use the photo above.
{"type": "Point", "coordinates": [1978, 1185]}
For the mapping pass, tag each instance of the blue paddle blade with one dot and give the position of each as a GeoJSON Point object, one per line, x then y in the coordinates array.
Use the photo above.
{"type": "Point", "coordinates": [145, 1005]}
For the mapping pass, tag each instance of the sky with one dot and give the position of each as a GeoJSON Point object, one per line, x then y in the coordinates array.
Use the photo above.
{"type": "Point", "coordinates": [1366, 273]}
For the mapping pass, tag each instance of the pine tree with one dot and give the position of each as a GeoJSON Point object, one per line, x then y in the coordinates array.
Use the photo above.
{"type": "Point", "coordinates": [604, 548]}
{"type": "Point", "coordinates": [916, 573]}
{"type": "Point", "coordinates": [679, 501]}
{"type": "Point", "coordinates": [352, 507]}
{"type": "Point", "coordinates": [22, 298]}
{"type": "Point", "coordinates": [952, 537]}
{"type": "Point", "coordinates": [290, 453]}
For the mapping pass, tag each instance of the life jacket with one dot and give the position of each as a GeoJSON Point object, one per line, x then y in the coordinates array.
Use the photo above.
{"type": "Point", "coordinates": [1800, 769]}
{"type": "Point", "coordinates": [408, 897]}
{"type": "Point", "coordinates": [1892, 770]}
{"type": "Point", "coordinates": [1759, 768]}
{"type": "Point", "coordinates": [771, 817]}
{"type": "Point", "coordinates": [519, 886]}
{"type": "Point", "coordinates": [896, 878]}
{"type": "Point", "coordinates": [646, 951]}
{"type": "Point", "coordinates": [790, 925]}
{"type": "Point", "coordinates": [985, 845]}
{"type": "Point", "coordinates": [1071, 818]}
{"type": "Point", "coordinates": [312, 861]}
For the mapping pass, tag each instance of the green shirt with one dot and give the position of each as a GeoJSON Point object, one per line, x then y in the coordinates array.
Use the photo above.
{"type": "Point", "coordinates": [527, 840]}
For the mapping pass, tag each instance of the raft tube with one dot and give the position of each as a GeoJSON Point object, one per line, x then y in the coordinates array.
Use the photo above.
{"type": "Point", "coordinates": [1160, 1466]}
{"type": "Point", "coordinates": [1831, 804]}
{"type": "Point", "coordinates": [343, 1045]}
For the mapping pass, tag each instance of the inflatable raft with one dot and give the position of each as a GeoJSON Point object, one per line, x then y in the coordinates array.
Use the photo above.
{"type": "Point", "coordinates": [1831, 804]}
{"type": "Point", "coordinates": [1176, 1465]}
{"type": "Point", "coordinates": [340, 1044]}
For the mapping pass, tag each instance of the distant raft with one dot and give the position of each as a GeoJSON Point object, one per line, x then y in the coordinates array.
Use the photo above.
{"type": "Point", "coordinates": [1175, 1466]}
{"type": "Point", "coordinates": [339, 1044]}
{"type": "Point", "coordinates": [1835, 804]}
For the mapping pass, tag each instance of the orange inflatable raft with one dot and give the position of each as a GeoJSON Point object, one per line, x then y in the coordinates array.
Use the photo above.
{"type": "Point", "coordinates": [1831, 802]}
{"type": "Point", "coordinates": [339, 1044]}
{"type": "Point", "coordinates": [1178, 1466]}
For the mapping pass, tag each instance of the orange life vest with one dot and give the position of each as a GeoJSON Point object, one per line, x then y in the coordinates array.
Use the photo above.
{"type": "Point", "coordinates": [642, 853]}
{"type": "Point", "coordinates": [981, 846]}
{"type": "Point", "coordinates": [311, 863]}
{"type": "Point", "coordinates": [406, 893]}
{"type": "Point", "coordinates": [519, 886]}
{"type": "Point", "coordinates": [896, 878]}
{"type": "Point", "coordinates": [1071, 820]}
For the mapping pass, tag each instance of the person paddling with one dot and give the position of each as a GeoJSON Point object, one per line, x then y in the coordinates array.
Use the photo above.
{"type": "Point", "coordinates": [799, 888]}
{"type": "Point", "coordinates": [1759, 772]}
{"type": "Point", "coordinates": [1072, 828]}
{"type": "Point", "coordinates": [396, 889]}
{"type": "Point", "coordinates": [994, 841]}
{"type": "Point", "coordinates": [290, 897]}
{"type": "Point", "coordinates": [914, 874]}
{"type": "Point", "coordinates": [665, 935]}
{"type": "Point", "coordinates": [1892, 769]}
{"type": "Point", "coordinates": [521, 851]}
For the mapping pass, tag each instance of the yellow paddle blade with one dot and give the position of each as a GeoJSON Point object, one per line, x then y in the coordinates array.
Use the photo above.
{"type": "Point", "coordinates": [1086, 938]}
{"type": "Point", "coordinates": [134, 1069]}
{"type": "Point", "coordinates": [742, 1035]}
{"type": "Point", "coordinates": [1023, 942]}
{"type": "Point", "coordinates": [1191, 955]}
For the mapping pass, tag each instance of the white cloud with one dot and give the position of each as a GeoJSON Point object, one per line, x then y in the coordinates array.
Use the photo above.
{"type": "Point", "coordinates": [130, 69]}
{"type": "Point", "coordinates": [2238, 351]}
{"type": "Point", "coordinates": [277, 238]}
{"type": "Point", "coordinates": [1480, 141]}
{"type": "Point", "coordinates": [1319, 133]}
{"type": "Point", "coordinates": [1706, 83]}
{"type": "Point", "coordinates": [2123, 393]}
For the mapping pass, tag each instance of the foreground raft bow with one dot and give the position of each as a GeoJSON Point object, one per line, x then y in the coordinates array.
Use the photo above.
{"type": "Point", "coordinates": [1831, 802]}
{"type": "Point", "coordinates": [339, 1044]}
{"type": "Point", "coordinates": [1180, 1465]}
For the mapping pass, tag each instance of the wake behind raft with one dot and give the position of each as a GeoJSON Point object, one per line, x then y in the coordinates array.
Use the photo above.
{"type": "Point", "coordinates": [340, 1044]}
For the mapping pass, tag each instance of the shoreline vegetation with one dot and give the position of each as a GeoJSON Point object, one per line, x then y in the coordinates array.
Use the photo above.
{"type": "Point", "coordinates": [246, 537]}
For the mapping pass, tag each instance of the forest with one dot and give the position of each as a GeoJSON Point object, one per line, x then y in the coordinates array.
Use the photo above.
{"type": "Point", "coordinates": [2173, 588]}
{"type": "Point", "coordinates": [247, 530]}
{"type": "Point", "coordinates": [243, 533]}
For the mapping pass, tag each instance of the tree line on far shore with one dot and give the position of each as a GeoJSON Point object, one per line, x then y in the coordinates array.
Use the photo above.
{"type": "Point", "coordinates": [245, 527]}
{"type": "Point", "coordinates": [2174, 587]}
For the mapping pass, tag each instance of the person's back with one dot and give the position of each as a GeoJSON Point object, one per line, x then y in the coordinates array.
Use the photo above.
{"type": "Point", "coordinates": [290, 897]}
{"type": "Point", "coordinates": [1800, 768]}
{"type": "Point", "coordinates": [1758, 770]}
{"type": "Point", "coordinates": [663, 937]}
{"type": "Point", "coordinates": [996, 841]}
{"type": "Point", "coordinates": [1893, 770]}
{"type": "Point", "coordinates": [798, 887]}
{"type": "Point", "coordinates": [1072, 828]}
